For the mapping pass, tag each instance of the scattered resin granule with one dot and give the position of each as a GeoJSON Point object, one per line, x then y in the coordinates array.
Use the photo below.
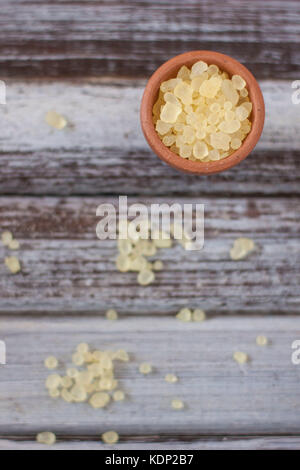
{"type": "Point", "coordinates": [121, 355]}
{"type": "Point", "coordinates": [203, 114]}
{"type": "Point", "coordinates": [185, 315]}
{"type": "Point", "coordinates": [14, 245]}
{"type": "Point", "coordinates": [78, 358]}
{"type": "Point", "coordinates": [99, 400]}
{"type": "Point", "coordinates": [158, 265]}
{"type": "Point", "coordinates": [261, 340]}
{"type": "Point", "coordinates": [9, 241]}
{"type": "Point", "coordinates": [46, 437]}
{"type": "Point", "coordinates": [51, 362]}
{"type": "Point", "coordinates": [118, 395]}
{"type": "Point", "coordinates": [6, 238]}
{"type": "Point", "coordinates": [55, 120]}
{"type": "Point", "coordinates": [53, 381]}
{"type": "Point", "coordinates": [240, 357]}
{"type": "Point", "coordinates": [110, 437]}
{"type": "Point", "coordinates": [13, 264]}
{"type": "Point", "coordinates": [177, 404]}
{"type": "Point", "coordinates": [138, 243]}
{"type": "Point", "coordinates": [72, 372]}
{"type": "Point", "coordinates": [111, 314]}
{"type": "Point", "coordinates": [145, 368]}
{"type": "Point", "coordinates": [171, 378]}
{"type": "Point", "coordinates": [241, 248]}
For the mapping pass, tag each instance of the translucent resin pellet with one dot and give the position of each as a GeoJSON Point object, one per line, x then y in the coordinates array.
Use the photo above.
{"type": "Point", "coordinates": [170, 112]}
{"type": "Point", "coordinates": [261, 340]}
{"type": "Point", "coordinates": [51, 362]}
{"type": "Point", "coordinates": [14, 245]}
{"type": "Point", "coordinates": [6, 237]}
{"type": "Point", "coordinates": [145, 368]}
{"type": "Point", "coordinates": [13, 264]}
{"type": "Point", "coordinates": [110, 437]}
{"type": "Point", "coordinates": [241, 248]}
{"type": "Point", "coordinates": [185, 315]}
{"type": "Point", "coordinates": [240, 357]}
{"type": "Point", "coordinates": [198, 315]}
{"type": "Point", "coordinates": [118, 395]}
{"type": "Point", "coordinates": [55, 120]}
{"type": "Point", "coordinates": [145, 277]}
{"type": "Point", "coordinates": [46, 437]}
{"type": "Point", "coordinates": [177, 404]}
{"type": "Point", "coordinates": [171, 378]}
{"type": "Point", "coordinates": [111, 314]}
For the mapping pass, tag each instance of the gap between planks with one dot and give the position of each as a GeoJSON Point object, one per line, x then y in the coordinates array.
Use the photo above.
{"type": "Point", "coordinates": [65, 268]}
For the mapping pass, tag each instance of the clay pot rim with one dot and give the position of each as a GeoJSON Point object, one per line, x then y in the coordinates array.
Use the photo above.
{"type": "Point", "coordinates": [169, 70]}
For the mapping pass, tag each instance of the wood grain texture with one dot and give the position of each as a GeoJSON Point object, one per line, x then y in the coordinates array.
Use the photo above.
{"type": "Point", "coordinates": [103, 151]}
{"type": "Point", "coordinates": [222, 397]}
{"type": "Point", "coordinates": [225, 443]}
{"type": "Point", "coordinates": [132, 38]}
{"type": "Point", "coordinates": [65, 268]}
{"type": "Point", "coordinates": [68, 277]}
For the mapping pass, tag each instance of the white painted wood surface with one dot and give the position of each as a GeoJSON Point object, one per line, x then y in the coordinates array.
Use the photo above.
{"type": "Point", "coordinates": [66, 269]}
{"type": "Point", "coordinates": [103, 150]}
{"type": "Point", "coordinates": [105, 114]}
{"type": "Point", "coordinates": [222, 397]}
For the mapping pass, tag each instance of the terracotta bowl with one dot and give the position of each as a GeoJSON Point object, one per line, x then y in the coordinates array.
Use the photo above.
{"type": "Point", "coordinates": [169, 70]}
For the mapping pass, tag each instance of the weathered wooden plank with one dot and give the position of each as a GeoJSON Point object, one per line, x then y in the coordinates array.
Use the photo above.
{"type": "Point", "coordinates": [225, 443]}
{"type": "Point", "coordinates": [222, 398]}
{"type": "Point", "coordinates": [73, 38]}
{"type": "Point", "coordinates": [65, 268]}
{"type": "Point", "coordinates": [103, 150]}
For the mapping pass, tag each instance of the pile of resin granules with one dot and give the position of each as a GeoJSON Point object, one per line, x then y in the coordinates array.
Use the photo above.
{"type": "Point", "coordinates": [202, 114]}
{"type": "Point", "coordinates": [92, 379]}
{"type": "Point", "coordinates": [136, 247]}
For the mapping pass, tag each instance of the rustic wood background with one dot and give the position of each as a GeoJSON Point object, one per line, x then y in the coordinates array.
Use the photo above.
{"type": "Point", "coordinates": [89, 61]}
